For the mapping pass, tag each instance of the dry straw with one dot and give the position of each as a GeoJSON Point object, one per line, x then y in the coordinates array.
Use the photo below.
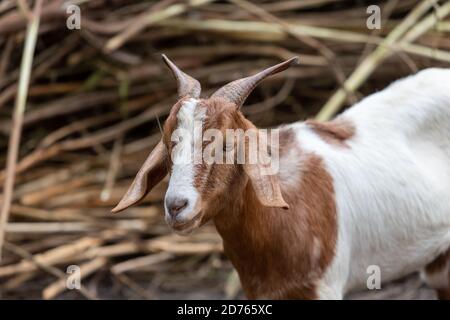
{"type": "Point", "coordinates": [78, 115]}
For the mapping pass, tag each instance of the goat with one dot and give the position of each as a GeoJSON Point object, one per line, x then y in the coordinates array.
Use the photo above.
{"type": "Point", "coordinates": [371, 187]}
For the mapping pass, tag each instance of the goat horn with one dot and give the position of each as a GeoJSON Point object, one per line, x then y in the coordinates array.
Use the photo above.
{"type": "Point", "coordinates": [238, 90]}
{"type": "Point", "coordinates": [187, 86]}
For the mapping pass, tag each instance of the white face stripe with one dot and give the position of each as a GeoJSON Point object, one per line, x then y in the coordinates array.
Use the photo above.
{"type": "Point", "coordinates": [181, 184]}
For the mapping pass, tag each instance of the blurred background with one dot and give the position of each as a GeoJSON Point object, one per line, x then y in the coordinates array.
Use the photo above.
{"type": "Point", "coordinates": [75, 133]}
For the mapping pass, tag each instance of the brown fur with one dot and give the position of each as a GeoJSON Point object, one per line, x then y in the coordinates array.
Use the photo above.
{"type": "Point", "coordinates": [273, 249]}
{"type": "Point", "coordinates": [437, 266]}
{"type": "Point", "coordinates": [336, 132]}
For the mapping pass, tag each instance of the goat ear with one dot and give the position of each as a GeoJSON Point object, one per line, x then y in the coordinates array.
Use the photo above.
{"type": "Point", "coordinates": [266, 187]}
{"type": "Point", "coordinates": [260, 172]}
{"type": "Point", "coordinates": [151, 173]}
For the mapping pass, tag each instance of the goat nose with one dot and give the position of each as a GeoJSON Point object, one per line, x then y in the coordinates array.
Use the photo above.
{"type": "Point", "coordinates": [175, 206]}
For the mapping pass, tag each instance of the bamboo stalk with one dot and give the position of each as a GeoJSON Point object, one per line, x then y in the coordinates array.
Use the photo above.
{"type": "Point", "coordinates": [148, 20]}
{"type": "Point", "coordinates": [257, 30]}
{"type": "Point", "coordinates": [86, 269]}
{"type": "Point", "coordinates": [14, 142]}
{"type": "Point", "coordinates": [51, 257]}
{"type": "Point", "coordinates": [141, 262]}
{"type": "Point", "coordinates": [369, 64]}
{"type": "Point", "coordinates": [71, 227]}
{"type": "Point", "coordinates": [42, 265]}
{"type": "Point", "coordinates": [271, 31]}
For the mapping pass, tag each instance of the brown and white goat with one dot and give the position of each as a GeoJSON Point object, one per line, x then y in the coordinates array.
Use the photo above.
{"type": "Point", "coordinates": [371, 187]}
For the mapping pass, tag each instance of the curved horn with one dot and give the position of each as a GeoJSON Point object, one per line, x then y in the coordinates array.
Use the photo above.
{"type": "Point", "coordinates": [238, 90]}
{"type": "Point", "coordinates": [187, 86]}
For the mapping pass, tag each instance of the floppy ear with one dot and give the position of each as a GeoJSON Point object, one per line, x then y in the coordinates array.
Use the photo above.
{"type": "Point", "coordinates": [262, 177]}
{"type": "Point", "coordinates": [152, 171]}
{"type": "Point", "coordinates": [266, 187]}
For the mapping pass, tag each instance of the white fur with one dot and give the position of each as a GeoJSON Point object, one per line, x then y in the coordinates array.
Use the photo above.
{"type": "Point", "coordinates": [392, 185]}
{"type": "Point", "coordinates": [181, 184]}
